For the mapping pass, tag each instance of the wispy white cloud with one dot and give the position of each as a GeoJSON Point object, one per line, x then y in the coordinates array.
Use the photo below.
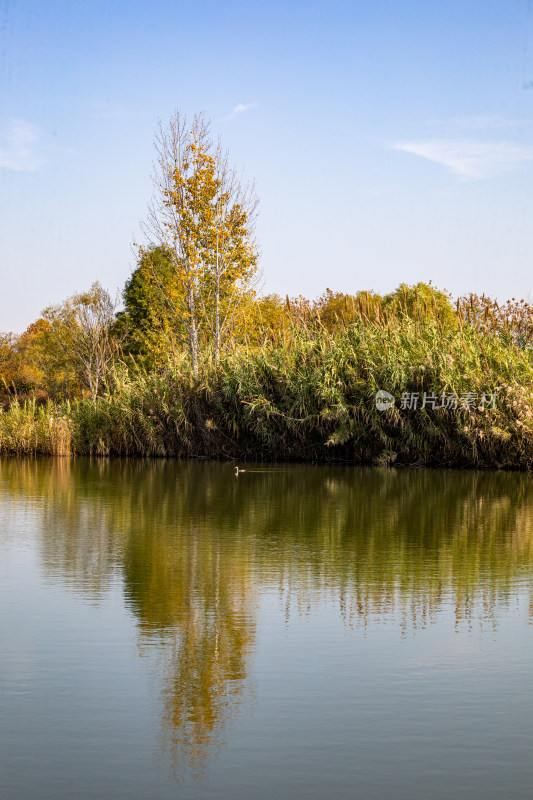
{"type": "Point", "coordinates": [470, 159]}
{"type": "Point", "coordinates": [240, 109]}
{"type": "Point", "coordinates": [17, 146]}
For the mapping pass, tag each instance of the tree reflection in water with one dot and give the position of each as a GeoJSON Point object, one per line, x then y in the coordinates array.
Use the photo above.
{"type": "Point", "coordinates": [194, 550]}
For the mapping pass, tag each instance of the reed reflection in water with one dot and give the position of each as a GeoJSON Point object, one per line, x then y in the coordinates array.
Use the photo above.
{"type": "Point", "coordinates": [195, 551]}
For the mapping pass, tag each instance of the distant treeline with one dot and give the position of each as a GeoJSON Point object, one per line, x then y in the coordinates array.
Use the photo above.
{"type": "Point", "coordinates": [295, 380]}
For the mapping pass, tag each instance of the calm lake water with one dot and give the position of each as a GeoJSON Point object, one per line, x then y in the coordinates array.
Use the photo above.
{"type": "Point", "coordinates": [170, 631]}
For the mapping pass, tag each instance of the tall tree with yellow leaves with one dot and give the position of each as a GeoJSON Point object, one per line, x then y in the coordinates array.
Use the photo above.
{"type": "Point", "coordinates": [204, 217]}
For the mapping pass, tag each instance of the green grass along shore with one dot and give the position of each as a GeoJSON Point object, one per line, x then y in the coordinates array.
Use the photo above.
{"type": "Point", "coordinates": [311, 399]}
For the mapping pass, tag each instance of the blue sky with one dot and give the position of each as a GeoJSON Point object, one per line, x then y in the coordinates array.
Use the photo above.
{"type": "Point", "coordinates": [389, 141]}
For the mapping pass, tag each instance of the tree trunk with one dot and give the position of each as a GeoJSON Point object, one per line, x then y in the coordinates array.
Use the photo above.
{"type": "Point", "coordinates": [217, 304]}
{"type": "Point", "coordinates": [193, 331]}
{"type": "Point", "coordinates": [217, 318]}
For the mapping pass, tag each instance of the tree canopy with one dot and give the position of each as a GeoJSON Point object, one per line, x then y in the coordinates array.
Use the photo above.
{"type": "Point", "coordinates": [203, 218]}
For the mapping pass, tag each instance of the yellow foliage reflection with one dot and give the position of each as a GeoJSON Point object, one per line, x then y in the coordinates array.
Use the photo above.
{"type": "Point", "coordinates": [193, 549]}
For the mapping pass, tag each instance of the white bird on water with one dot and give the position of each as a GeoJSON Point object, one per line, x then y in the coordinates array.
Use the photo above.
{"type": "Point", "coordinates": [237, 471]}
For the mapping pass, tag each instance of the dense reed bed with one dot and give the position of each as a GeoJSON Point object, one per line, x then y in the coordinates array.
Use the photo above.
{"type": "Point", "coordinates": [309, 396]}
